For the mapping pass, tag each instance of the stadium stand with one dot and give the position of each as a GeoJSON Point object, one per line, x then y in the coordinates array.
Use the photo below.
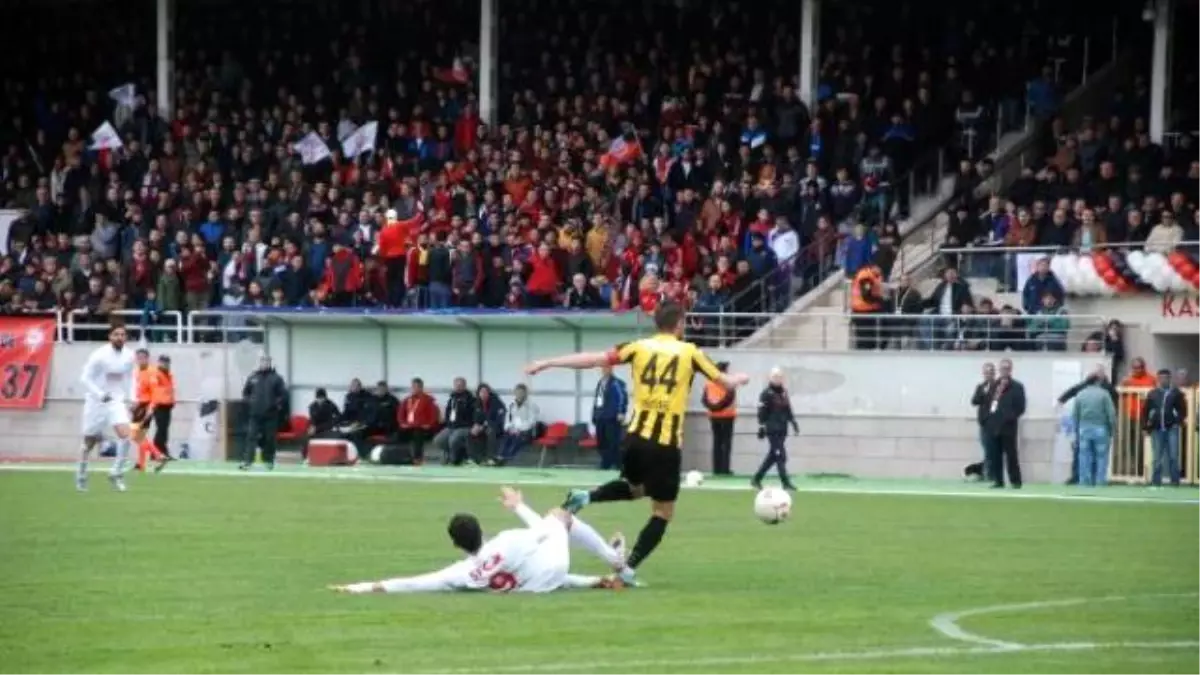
{"type": "Point", "coordinates": [662, 154]}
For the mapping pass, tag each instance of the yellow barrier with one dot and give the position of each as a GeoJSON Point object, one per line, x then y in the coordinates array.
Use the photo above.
{"type": "Point", "coordinates": [1132, 456]}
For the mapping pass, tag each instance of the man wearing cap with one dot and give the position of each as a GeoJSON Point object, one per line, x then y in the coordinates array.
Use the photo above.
{"type": "Point", "coordinates": [722, 411]}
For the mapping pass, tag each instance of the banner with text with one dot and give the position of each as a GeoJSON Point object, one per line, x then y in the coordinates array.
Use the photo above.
{"type": "Point", "coordinates": [26, 347]}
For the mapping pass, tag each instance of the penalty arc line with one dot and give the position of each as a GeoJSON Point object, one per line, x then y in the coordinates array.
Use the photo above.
{"type": "Point", "coordinates": [867, 655]}
{"type": "Point", "coordinates": [947, 623]}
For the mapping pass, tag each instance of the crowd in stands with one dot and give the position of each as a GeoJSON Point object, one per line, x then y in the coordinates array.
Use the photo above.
{"type": "Point", "coordinates": [663, 156]}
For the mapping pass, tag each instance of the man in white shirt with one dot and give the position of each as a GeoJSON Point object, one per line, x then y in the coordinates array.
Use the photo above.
{"type": "Point", "coordinates": [108, 384]}
{"type": "Point", "coordinates": [784, 241]}
{"type": "Point", "coordinates": [519, 424]}
{"type": "Point", "coordinates": [533, 559]}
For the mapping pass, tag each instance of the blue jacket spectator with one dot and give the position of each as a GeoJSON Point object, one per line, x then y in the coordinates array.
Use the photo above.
{"type": "Point", "coordinates": [858, 250]}
{"type": "Point", "coordinates": [762, 259]}
{"type": "Point", "coordinates": [1041, 282]}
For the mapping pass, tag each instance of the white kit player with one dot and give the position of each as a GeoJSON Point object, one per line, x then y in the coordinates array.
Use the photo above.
{"type": "Point", "coordinates": [533, 559]}
{"type": "Point", "coordinates": [108, 383]}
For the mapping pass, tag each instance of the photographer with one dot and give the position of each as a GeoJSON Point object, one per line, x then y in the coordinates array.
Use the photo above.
{"type": "Point", "coordinates": [774, 417]}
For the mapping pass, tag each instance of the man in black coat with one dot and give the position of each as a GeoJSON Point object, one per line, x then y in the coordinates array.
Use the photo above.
{"type": "Point", "coordinates": [1163, 417]}
{"type": "Point", "coordinates": [774, 418]}
{"type": "Point", "coordinates": [358, 408]}
{"type": "Point", "coordinates": [981, 402]}
{"type": "Point", "coordinates": [266, 396]}
{"type": "Point", "coordinates": [385, 419]}
{"type": "Point", "coordinates": [1005, 406]}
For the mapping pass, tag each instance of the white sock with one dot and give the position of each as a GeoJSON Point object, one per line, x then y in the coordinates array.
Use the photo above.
{"type": "Point", "coordinates": [81, 472]}
{"type": "Point", "coordinates": [586, 536]}
{"type": "Point", "coordinates": [118, 468]}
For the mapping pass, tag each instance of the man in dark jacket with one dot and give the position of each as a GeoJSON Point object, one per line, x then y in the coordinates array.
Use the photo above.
{"type": "Point", "coordinates": [265, 395]}
{"type": "Point", "coordinates": [358, 408]}
{"type": "Point", "coordinates": [980, 401]}
{"type": "Point", "coordinates": [947, 299]}
{"type": "Point", "coordinates": [459, 418]}
{"type": "Point", "coordinates": [1005, 406]}
{"type": "Point", "coordinates": [1163, 415]}
{"type": "Point", "coordinates": [385, 421]}
{"type": "Point", "coordinates": [608, 415]}
{"type": "Point", "coordinates": [323, 414]}
{"type": "Point", "coordinates": [774, 417]}
{"type": "Point", "coordinates": [1098, 376]}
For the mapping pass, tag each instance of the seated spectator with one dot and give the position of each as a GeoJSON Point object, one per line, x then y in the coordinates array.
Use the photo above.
{"type": "Point", "coordinates": [459, 418]}
{"type": "Point", "coordinates": [358, 408]}
{"type": "Point", "coordinates": [939, 331]}
{"type": "Point", "coordinates": [1165, 236]}
{"type": "Point", "coordinates": [487, 426]}
{"type": "Point", "coordinates": [1041, 282]}
{"type": "Point", "coordinates": [520, 426]}
{"type": "Point", "coordinates": [385, 420]}
{"type": "Point", "coordinates": [582, 295]}
{"type": "Point", "coordinates": [1049, 326]}
{"type": "Point", "coordinates": [323, 414]}
{"type": "Point", "coordinates": [903, 300]}
{"type": "Point", "coordinates": [419, 419]}
{"type": "Point", "coordinates": [970, 330]}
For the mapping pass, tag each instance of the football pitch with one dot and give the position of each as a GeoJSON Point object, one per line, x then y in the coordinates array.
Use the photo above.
{"type": "Point", "coordinates": [202, 570]}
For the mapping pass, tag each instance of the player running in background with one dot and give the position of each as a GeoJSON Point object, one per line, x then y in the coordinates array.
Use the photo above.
{"type": "Point", "coordinates": [662, 368]}
{"type": "Point", "coordinates": [145, 381]}
{"type": "Point", "coordinates": [108, 384]}
{"type": "Point", "coordinates": [533, 559]}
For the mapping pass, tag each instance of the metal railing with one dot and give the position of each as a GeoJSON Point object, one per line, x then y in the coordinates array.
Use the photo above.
{"type": "Point", "coordinates": [1132, 455]}
{"type": "Point", "coordinates": [80, 325]}
{"type": "Point", "coordinates": [1011, 265]}
{"type": "Point", "coordinates": [839, 331]}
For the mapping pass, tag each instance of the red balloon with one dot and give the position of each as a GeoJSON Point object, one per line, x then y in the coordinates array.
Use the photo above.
{"type": "Point", "coordinates": [1101, 263]}
{"type": "Point", "coordinates": [1111, 277]}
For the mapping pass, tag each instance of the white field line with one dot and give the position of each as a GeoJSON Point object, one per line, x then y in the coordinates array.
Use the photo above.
{"type": "Point", "coordinates": [366, 474]}
{"type": "Point", "coordinates": [641, 665]}
{"type": "Point", "coordinates": [947, 623]}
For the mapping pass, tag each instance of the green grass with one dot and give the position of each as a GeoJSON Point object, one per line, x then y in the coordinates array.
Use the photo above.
{"type": "Point", "coordinates": [219, 574]}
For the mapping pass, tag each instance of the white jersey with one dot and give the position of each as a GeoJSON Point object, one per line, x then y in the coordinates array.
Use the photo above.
{"type": "Point", "coordinates": [109, 372]}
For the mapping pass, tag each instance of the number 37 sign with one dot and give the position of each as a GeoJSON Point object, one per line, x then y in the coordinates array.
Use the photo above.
{"type": "Point", "coordinates": [26, 345]}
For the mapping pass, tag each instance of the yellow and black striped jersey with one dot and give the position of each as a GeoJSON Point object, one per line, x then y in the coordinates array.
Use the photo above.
{"type": "Point", "coordinates": [662, 368]}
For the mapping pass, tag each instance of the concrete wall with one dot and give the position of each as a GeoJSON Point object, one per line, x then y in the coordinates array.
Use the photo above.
{"type": "Point", "coordinates": [52, 434]}
{"type": "Point", "coordinates": [879, 446]}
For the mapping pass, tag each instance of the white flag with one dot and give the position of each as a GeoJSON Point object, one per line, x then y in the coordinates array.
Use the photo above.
{"type": "Point", "coordinates": [311, 149]}
{"type": "Point", "coordinates": [125, 95]}
{"type": "Point", "coordinates": [106, 138]}
{"type": "Point", "coordinates": [362, 140]}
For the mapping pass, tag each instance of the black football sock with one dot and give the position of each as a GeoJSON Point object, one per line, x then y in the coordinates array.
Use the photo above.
{"type": "Point", "coordinates": [647, 540]}
{"type": "Point", "coordinates": [613, 491]}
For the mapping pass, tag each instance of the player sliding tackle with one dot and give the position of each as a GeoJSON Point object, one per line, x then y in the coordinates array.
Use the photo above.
{"type": "Point", "coordinates": [533, 559]}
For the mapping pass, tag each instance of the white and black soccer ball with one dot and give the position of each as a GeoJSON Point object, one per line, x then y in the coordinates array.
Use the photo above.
{"type": "Point", "coordinates": [693, 479]}
{"type": "Point", "coordinates": [772, 505]}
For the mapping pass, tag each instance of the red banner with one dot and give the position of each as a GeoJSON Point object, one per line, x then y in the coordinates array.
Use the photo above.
{"type": "Point", "coordinates": [26, 346]}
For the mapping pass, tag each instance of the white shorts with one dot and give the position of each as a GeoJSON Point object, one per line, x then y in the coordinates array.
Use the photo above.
{"type": "Point", "coordinates": [99, 419]}
{"type": "Point", "coordinates": [546, 570]}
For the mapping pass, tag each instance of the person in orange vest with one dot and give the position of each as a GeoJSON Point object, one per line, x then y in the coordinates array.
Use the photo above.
{"type": "Point", "coordinates": [1131, 406]}
{"type": "Point", "coordinates": [143, 404]}
{"type": "Point", "coordinates": [866, 303]}
{"type": "Point", "coordinates": [722, 411]}
{"type": "Point", "coordinates": [164, 404]}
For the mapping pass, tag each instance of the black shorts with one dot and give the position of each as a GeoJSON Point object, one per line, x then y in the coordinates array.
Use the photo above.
{"type": "Point", "coordinates": [654, 466]}
{"type": "Point", "coordinates": [140, 413]}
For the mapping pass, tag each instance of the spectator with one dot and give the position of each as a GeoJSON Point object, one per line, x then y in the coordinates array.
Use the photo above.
{"type": "Point", "coordinates": [950, 293]}
{"type": "Point", "coordinates": [1048, 328]}
{"type": "Point", "coordinates": [1095, 424]}
{"type": "Point", "coordinates": [1041, 282]}
{"type": "Point", "coordinates": [459, 418]}
{"type": "Point", "coordinates": [1164, 236]}
{"type": "Point", "coordinates": [520, 426]}
{"type": "Point", "coordinates": [608, 415]}
{"type": "Point", "coordinates": [542, 285]}
{"type": "Point", "coordinates": [487, 425]}
{"type": "Point", "coordinates": [903, 301]}
{"type": "Point", "coordinates": [358, 408]}
{"type": "Point", "coordinates": [419, 419]}
{"type": "Point", "coordinates": [866, 304]}
{"type": "Point", "coordinates": [385, 420]}
{"type": "Point", "coordinates": [582, 295]}
{"type": "Point", "coordinates": [440, 273]}
{"type": "Point", "coordinates": [859, 249]}
{"type": "Point", "coordinates": [1164, 415]}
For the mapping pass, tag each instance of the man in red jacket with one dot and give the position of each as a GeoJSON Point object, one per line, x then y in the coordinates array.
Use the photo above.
{"type": "Point", "coordinates": [343, 276]}
{"type": "Point", "coordinates": [419, 419]}
{"type": "Point", "coordinates": [544, 278]}
{"type": "Point", "coordinates": [194, 270]}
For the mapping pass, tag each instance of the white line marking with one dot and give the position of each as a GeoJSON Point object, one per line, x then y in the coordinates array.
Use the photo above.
{"type": "Point", "coordinates": [947, 622]}
{"type": "Point", "coordinates": [369, 474]}
{"type": "Point", "coordinates": [866, 655]}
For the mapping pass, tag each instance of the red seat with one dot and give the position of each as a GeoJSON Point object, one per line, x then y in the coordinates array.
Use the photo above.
{"type": "Point", "coordinates": [555, 434]}
{"type": "Point", "coordinates": [296, 428]}
{"type": "Point", "coordinates": [588, 442]}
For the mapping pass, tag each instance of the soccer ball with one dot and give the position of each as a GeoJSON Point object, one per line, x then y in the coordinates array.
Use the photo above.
{"type": "Point", "coordinates": [772, 505]}
{"type": "Point", "coordinates": [693, 479]}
